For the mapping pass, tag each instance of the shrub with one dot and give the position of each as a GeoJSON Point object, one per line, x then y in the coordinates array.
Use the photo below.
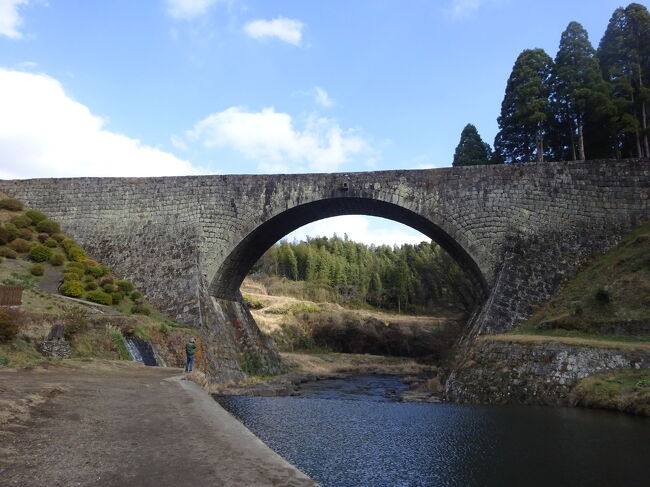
{"type": "Point", "coordinates": [48, 226]}
{"type": "Point", "coordinates": [11, 204]}
{"type": "Point", "coordinates": [71, 276]}
{"type": "Point", "coordinates": [72, 288]}
{"type": "Point", "coordinates": [125, 286]}
{"type": "Point", "coordinates": [20, 245]}
{"type": "Point", "coordinates": [40, 253]}
{"type": "Point", "coordinates": [75, 254]}
{"type": "Point", "coordinates": [76, 321]}
{"type": "Point", "coordinates": [12, 231]}
{"type": "Point", "coordinates": [37, 270]}
{"type": "Point", "coordinates": [21, 221]}
{"type": "Point", "coordinates": [74, 267]}
{"type": "Point", "coordinates": [8, 326]}
{"type": "Point", "coordinates": [26, 234]}
{"type": "Point", "coordinates": [91, 285]}
{"type": "Point", "coordinates": [99, 297]}
{"type": "Point", "coordinates": [56, 259]}
{"type": "Point", "coordinates": [95, 271]}
{"type": "Point", "coordinates": [4, 235]}
{"type": "Point", "coordinates": [109, 288]}
{"type": "Point", "coordinates": [42, 237]}
{"type": "Point", "coordinates": [107, 280]}
{"type": "Point", "coordinates": [59, 237]}
{"type": "Point", "coordinates": [602, 296]}
{"type": "Point", "coordinates": [35, 216]}
{"type": "Point", "coordinates": [135, 295]}
{"type": "Point", "coordinates": [49, 242]}
{"type": "Point", "coordinates": [117, 297]}
{"type": "Point", "coordinates": [8, 253]}
{"type": "Point", "coordinates": [140, 309]}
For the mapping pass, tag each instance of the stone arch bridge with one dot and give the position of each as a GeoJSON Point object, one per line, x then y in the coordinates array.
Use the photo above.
{"type": "Point", "coordinates": [187, 242]}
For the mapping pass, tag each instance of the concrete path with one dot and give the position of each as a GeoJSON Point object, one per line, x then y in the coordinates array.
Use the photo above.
{"type": "Point", "coordinates": [117, 425]}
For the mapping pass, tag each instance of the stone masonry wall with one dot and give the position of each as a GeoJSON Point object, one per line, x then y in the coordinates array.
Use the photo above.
{"type": "Point", "coordinates": [500, 372]}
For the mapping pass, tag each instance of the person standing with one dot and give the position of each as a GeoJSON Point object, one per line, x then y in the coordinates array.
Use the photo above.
{"type": "Point", "coordinates": [190, 350]}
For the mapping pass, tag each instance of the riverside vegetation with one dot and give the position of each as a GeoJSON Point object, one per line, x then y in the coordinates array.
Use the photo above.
{"type": "Point", "coordinates": [61, 284]}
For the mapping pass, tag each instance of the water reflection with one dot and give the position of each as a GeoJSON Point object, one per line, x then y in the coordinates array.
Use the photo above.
{"type": "Point", "coordinates": [371, 442]}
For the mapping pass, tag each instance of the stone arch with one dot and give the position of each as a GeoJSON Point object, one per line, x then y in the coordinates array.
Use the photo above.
{"type": "Point", "coordinates": [231, 273]}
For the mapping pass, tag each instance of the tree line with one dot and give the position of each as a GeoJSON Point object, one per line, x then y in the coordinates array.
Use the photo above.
{"type": "Point", "coordinates": [584, 104]}
{"type": "Point", "coordinates": [414, 278]}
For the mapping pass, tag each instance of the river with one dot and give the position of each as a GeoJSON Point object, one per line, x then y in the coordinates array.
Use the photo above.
{"type": "Point", "coordinates": [352, 433]}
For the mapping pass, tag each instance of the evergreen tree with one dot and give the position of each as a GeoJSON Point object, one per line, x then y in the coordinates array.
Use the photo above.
{"type": "Point", "coordinates": [624, 54]}
{"type": "Point", "coordinates": [471, 149]}
{"type": "Point", "coordinates": [580, 95]}
{"type": "Point", "coordinates": [525, 111]}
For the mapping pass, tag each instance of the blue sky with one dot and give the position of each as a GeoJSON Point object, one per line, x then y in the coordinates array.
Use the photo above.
{"type": "Point", "coordinates": [170, 87]}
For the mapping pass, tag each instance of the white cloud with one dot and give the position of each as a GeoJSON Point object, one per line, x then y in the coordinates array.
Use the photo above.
{"type": "Point", "coordinates": [188, 9]}
{"type": "Point", "coordinates": [322, 98]}
{"type": "Point", "coordinates": [45, 133]}
{"type": "Point", "coordinates": [287, 30]}
{"type": "Point", "coordinates": [271, 139]}
{"type": "Point", "coordinates": [360, 228]}
{"type": "Point", "coordinates": [10, 19]}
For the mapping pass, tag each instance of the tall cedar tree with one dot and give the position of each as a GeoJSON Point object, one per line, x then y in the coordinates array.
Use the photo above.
{"type": "Point", "coordinates": [525, 111]}
{"type": "Point", "coordinates": [580, 95]}
{"type": "Point", "coordinates": [624, 54]}
{"type": "Point", "coordinates": [471, 150]}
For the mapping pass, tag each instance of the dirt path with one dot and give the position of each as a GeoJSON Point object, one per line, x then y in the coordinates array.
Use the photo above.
{"type": "Point", "coordinates": [108, 424]}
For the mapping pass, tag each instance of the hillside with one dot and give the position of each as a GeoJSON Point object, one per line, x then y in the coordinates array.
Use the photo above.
{"type": "Point", "coordinates": [301, 324]}
{"type": "Point", "coordinates": [609, 297]}
{"type": "Point", "coordinates": [61, 284]}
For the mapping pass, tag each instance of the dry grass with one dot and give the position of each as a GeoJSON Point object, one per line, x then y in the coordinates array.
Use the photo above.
{"type": "Point", "coordinates": [17, 409]}
{"type": "Point", "coordinates": [344, 363]}
{"type": "Point", "coordinates": [576, 341]}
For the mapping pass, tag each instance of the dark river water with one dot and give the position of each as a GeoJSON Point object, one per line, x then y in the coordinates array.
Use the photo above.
{"type": "Point", "coordinates": [346, 432]}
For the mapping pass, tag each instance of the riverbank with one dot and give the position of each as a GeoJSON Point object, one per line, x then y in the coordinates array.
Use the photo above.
{"type": "Point", "coordinates": [422, 379]}
{"type": "Point", "coordinates": [106, 423]}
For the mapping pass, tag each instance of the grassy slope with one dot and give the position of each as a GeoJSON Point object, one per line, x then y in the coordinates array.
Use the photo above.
{"type": "Point", "coordinates": [41, 309]}
{"type": "Point", "coordinates": [611, 292]}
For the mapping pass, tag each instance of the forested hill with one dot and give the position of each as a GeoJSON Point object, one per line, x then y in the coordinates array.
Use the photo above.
{"type": "Point", "coordinates": [413, 278]}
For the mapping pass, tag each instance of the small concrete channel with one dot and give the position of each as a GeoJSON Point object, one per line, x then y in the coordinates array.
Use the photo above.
{"type": "Point", "coordinates": [140, 350]}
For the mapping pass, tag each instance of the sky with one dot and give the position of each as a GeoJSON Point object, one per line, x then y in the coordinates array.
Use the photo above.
{"type": "Point", "coordinates": [180, 87]}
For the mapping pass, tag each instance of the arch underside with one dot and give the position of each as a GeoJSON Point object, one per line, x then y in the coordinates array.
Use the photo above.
{"type": "Point", "coordinates": [235, 267]}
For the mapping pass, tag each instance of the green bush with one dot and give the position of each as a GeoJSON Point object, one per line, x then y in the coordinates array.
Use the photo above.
{"type": "Point", "coordinates": [12, 231]}
{"type": "Point", "coordinates": [4, 235]}
{"type": "Point", "coordinates": [21, 221]}
{"type": "Point", "coordinates": [140, 309]}
{"type": "Point", "coordinates": [35, 216]}
{"type": "Point", "coordinates": [109, 288]}
{"type": "Point", "coordinates": [8, 326]}
{"type": "Point", "coordinates": [75, 267]}
{"type": "Point", "coordinates": [124, 286]}
{"type": "Point", "coordinates": [59, 237]}
{"type": "Point", "coordinates": [107, 280]}
{"type": "Point", "coordinates": [11, 204]}
{"type": "Point", "coordinates": [42, 237]}
{"type": "Point", "coordinates": [8, 253]}
{"type": "Point", "coordinates": [40, 253]}
{"type": "Point", "coordinates": [95, 271]}
{"type": "Point", "coordinates": [91, 285]}
{"type": "Point", "coordinates": [99, 297]}
{"type": "Point", "coordinates": [76, 254]}
{"type": "Point", "coordinates": [50, 242]}
{"type": "Point", "coordinates": [71, 276]}
{"type": "Point", "coordinates": [135, 295]}
{"type": "Point", "coordinates": [72, 288]}
{"type": "Point", "coordinates": [37, 270]}
{"type": "Point", "coordinates": [20, 245]}
{"type": "Point", "coordinates": [117, 297]}
{"type": "Point", "coordinates": [56, 259]}
{"type": "Point", "coordinates": [48, 226]}
{"type": "Point", "coordinates": [602, 296]}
